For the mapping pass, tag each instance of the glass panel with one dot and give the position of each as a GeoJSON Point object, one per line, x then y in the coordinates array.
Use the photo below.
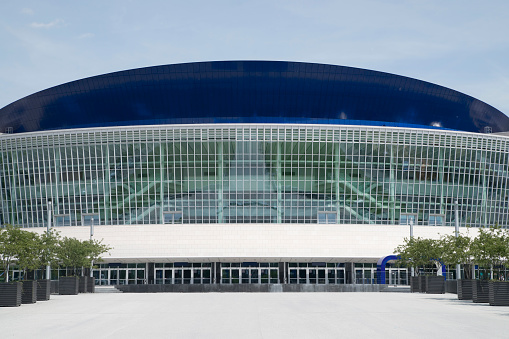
{"type": "Point", "coordinates": [178, 276]}
{"type": "Point", "coordinates": [274, 276]}
{"type": "Point", "coordinates": [235, 276]}
{"type": "Point", "coordinates": [187, 276]}
{"type": "Point", "coordinates": [293, 276]}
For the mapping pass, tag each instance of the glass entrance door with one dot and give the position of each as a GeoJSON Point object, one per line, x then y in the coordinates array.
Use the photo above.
{"type": "Point", "coordinates": [397, 276]}
{"type": "Point", "coordinates": [120, 274]}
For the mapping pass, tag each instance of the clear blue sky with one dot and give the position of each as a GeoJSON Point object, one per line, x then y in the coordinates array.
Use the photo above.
{"type": "Point", "coordinates": [463, 44]}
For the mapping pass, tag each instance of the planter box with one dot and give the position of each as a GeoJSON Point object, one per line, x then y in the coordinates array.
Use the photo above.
{"type": "Point", "coordinates": [68, 285]}
{"type": "Point", "coordinates": [414, 285]}
{"type": "Point", "coordinates": [465, 289]}
{"type": "Point", "coordinates": [480, 291]}
{"type": "Point", "coordinates": [29, 292]}
{"type": "Point", "coordinates": [43, 290]}
{"type": "Point", "coordinates": [422, 284]}
{"type": "Point", "coordinates": [91, 285]}
{"type": "Point", "coordinates": [499, 293]}
{"type": "Point", "coordinates": [451, 286]}
{"type": "Point", "coordinates": [10, 294]}
{"type": "Point", "coordinates": [83, 284]}
{"type": "Point", "coordinates": [435, 284]}
{"type": "Point", "coordinates": [54, 286]}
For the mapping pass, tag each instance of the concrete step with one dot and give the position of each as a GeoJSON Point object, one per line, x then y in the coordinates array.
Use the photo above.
{"type": "Point", "coordinates": [107, 289]}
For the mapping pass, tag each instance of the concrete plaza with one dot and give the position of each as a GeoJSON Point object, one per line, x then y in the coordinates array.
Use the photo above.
{"type": "Point", "coordinates": [255, 315]}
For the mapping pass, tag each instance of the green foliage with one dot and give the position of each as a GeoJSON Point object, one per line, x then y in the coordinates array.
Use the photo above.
{"type": "Point", "coordinates": [491, 247]}
{"type": "Point", "coordinates": [75, 253]}
{"type": "Point", "coordinates": [455, 250]}
{"type": "Point", "coordinates": [20, 247]}
{"type": "Point", "coordinates": [418, 252]}
{"type": "Point", "coordinates": [50, 242]}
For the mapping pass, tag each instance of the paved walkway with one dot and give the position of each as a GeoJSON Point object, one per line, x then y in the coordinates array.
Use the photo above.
{"type": "Point", "coordinates": [255, 315]}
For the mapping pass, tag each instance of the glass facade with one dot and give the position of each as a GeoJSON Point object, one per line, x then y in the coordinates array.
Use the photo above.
{"type": "Point", "coordinates": [253, 173]}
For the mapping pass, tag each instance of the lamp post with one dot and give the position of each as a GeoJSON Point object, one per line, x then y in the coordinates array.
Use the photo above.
{"type": "Point", "coordinates": [48, 227]}
{"type": "Point", "coordinates": [412, 272]}
{"type": "Point", "coordinates": [91, 236]}
{"type": "Point", "coordinates": [457, 233]}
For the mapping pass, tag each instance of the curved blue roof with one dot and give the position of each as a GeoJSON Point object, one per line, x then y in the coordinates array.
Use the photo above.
{"type": "Point", "coordinates": [250, 92]}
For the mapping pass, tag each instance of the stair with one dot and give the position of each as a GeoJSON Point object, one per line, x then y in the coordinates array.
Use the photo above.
{"type": "Point", "coordinates": [107, 289]}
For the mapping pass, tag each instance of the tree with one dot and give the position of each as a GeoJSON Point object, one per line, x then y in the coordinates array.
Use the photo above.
{"type": "Point", "coordinates": [74, 253]}
{"type": "Point", "coordinates": [418, 252]}
{"type": "Point", "coordinates": [490, 248]}
{"type": "Point", "coordinates": [455, 250]}
{"type": "Point", "coordinates": [20, 247]}
{"type": "Point", "coordinates": [49, 240]}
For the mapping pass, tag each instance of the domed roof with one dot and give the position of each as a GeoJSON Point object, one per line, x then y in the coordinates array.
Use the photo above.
{"type": "Point", "coordinates": [250, 92]}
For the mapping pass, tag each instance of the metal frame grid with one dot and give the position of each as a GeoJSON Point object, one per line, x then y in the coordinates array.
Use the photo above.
{"type": "Point", "coordinates": [254, 173]}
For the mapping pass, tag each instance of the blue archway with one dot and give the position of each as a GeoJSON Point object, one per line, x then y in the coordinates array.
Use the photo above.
{"type": "Point", "coordinates": [382, 262]}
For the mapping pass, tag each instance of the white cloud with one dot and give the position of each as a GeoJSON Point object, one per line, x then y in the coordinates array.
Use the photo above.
{"type": "Point", "coordinates": [54, 23]}
{"type": "Point", "coordinates": [27, 11]}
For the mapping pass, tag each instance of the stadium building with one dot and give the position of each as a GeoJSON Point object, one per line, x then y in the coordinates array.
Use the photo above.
{"type": "Point", "coordinates": [251, 172]}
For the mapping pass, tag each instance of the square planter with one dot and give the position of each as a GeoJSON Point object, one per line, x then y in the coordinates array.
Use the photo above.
{"type": "Point", "coordinates": [29, 292]}
{"type": "Point", "coordinates": [499, 293]}
{"type": "Point", "coordinates": [10, 294]}
{"type": "Point", "coordinates": [465, 289]}
{"type": "Point", "coordinates": [43, 290]}
{"type": "Point", "coordinates": [68, 285]}
{"type": "Point", "coordinates": [480, 291]}
{"type": "Point", "coordinates": [435, 284]}
{"type": "Point", "coordinates": [451, 286]}
{"type": "Point", "coordinates": [414, 285]}
{"type": "Point", "coordinates": [91, 285]}
{"type": "Point", "coordinates": [83, 284]}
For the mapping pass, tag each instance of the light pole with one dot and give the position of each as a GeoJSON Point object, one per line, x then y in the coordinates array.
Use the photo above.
{"type": "Point", "coordinates": [48, 227]}
{"type": "Point", "coordinates": [91, 236]}
{"type": "Point", "coordinates": [412, 272]}
{"type": "Point", "coordinates": [457, 233]}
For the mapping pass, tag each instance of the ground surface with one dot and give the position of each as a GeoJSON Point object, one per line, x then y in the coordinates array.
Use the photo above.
{"type": "Point", "coordinates": [255, 315]}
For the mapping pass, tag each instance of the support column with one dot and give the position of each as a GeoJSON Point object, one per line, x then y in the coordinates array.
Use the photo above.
{"type": "Point", "coordinates": [392, 190]}
{"type": "Point", "coordinates": [279, 184]}
{"type": "Point", "coordinates": [440, 178]}
{"type": "Point", "coordinates": [162, 180]}
{"type": "Point", "coordinates": [337, 162]}
{"type": "Point", "coordinates": [219, 181]}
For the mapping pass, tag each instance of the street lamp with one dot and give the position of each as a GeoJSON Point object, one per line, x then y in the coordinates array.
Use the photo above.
{"type": "Point", "coordinates": [457, 233]}
{"type": "Point", "coordinates": [91, 236]}
{"type": "Point", "coordinates": [48, 227]}
{"type": "Point", "coordinates": [412, 272]}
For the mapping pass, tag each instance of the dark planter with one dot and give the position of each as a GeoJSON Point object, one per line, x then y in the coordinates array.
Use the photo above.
{"type": "Point", "coordinates": [10, 294]}
{"type": "Point", "coordinates": [435, 284]}
{"type": "Point", "coordinates": [422, 284]}
{"type": "Point", "coordinates": [68, 285]}
{"type": "Point", "coordinates": [480, 291]}
{"type": "Point", "coordinates": [54, 286]}
{"type": "Point", "coordinates": [414, 285]}
{"type": "Point", "coordinates": [29, 292]}
{"type": "Point", "coordinates": [499, 293]}
{"type": "Point", "coordinates": [465, 289]}
{"type": "Point", "coordinates": [91, 285]}
{"type": "Point", "coordinates": [451, 286]}
{"type": "Point", "coordinates": [83, 284]}
{"type": "Point", "coordinates": [43, 290]}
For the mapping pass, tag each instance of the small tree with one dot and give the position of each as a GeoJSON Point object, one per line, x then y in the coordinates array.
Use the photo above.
{"type": "Point", "coordinates": [490, 249]}
{"type": "Point", "coordinates": [29, 247]}
{"type": "Point", "coordinates": [74, 253]}
{"type": "Point", "coordinates": [48, 254]}
{"type": "Point", "coordinates": [455, 251]}
{"type": "Point", "coordinates": [20, 247]}
{"type": "Point", "coordinates": [418, 252]}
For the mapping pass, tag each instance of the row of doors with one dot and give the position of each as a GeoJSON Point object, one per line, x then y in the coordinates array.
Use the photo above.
{"type": "Point", "coordinates": [249, 275]}
{"type": "Point", "coordinates": [393, 276]}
